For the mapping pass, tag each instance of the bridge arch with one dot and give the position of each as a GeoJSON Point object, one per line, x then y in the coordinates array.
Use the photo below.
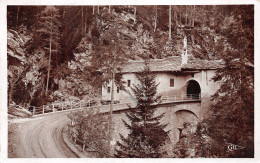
{"type": "Point", "coordinates": [186, 122]}
{"type": "Point", "coordinates": [193, 89]}
{"type": "Point", "coordinates": [187, 111]}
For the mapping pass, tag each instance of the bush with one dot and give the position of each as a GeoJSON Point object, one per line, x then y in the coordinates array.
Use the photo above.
{"type": "Point", "coordinates": [90, 129]}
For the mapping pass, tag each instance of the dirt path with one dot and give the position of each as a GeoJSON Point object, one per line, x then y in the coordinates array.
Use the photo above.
{"type": "Point", "coordinates": [40, 137]}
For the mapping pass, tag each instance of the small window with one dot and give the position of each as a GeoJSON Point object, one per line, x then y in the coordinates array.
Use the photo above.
{"type": "Point", "coordinates": [171, 82]}
{"type": "Point", "coordinates": [128, 83]}
{"type": "Point", "coordinates": [108, 89]}
{"type": "Point", "coordinates": [117, 90]}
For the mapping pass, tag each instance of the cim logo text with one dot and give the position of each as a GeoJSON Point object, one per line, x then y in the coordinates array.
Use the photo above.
{"type": "Point", "coordinates": [232, 147]}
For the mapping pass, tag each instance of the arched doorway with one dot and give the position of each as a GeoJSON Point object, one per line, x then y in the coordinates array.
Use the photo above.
{"type": "Point", "coordinates": [193, 89]}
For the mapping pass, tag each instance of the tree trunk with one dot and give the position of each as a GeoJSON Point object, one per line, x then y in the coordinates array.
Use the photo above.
{"type": "Point", "coordinates": [109, 8]}
{"type": "Point", "coordinates": [155, 21]}
{"type": "Point", "coordinates": [186, 19]}
{"type": "Point", "coordinates": [175, 17]}
{"type": "Point", "coordinates": [203, 11]}
{"type": "Point", "coordinates": [82, 16]}
{"type": "Point", "coordinates": [193, 15]}
{"type": "Point", "coordinates": [180, 20]}
{"type": "Point", "coordinates": [93, 10]}
{"type": "Point", "coordinates": [98, 9]}
{"type": "Point", "coordinates": [111, 109]}
{"type": "Point", "coordinates": [170, 22]}
{"type": "Point", "coordinates": [135, 14]}
{"type": "Point", "coordinates": [17, 15]}
{"type": "Point", "coordinates": [49, 65]}
{"type": "Point", "coordinates": [85, 21]}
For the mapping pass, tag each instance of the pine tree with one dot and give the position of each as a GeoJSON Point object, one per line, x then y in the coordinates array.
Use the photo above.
{"type": "Point", "coordinates": [109, 53]}
{"type": "Point", "coordinates": [48, 30]}
{"type": "Point", "coordinates": [233, 109]}
{"type": "Point", "coordinates": [146, 135]}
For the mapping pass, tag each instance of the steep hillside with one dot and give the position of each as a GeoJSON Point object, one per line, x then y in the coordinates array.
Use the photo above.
{"type": "Point", "coordinates": [86, 34]}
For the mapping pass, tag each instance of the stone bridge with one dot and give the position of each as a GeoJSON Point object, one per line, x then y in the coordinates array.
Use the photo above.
{"type": "Point", "coordinates": [176, 114]}
{"type": "Point", "coordinates": [178, 110]}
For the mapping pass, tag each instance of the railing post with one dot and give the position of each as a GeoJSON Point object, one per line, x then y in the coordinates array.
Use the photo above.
{"type": "Point", "coordinates": [70, 105]}
{"type": "Point", "coordinates": [42, 109]}
{"type": "Point", "coordinates": [62, 106]}
{"type": "Point", "coordinates": [33, 110]}
{"type": "Point", "coordinates": [52, 107]}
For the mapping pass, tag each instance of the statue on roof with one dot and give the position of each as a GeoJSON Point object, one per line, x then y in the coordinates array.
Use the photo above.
{"type": "Point", "coordinates": [185, 42]}
{"type": "Point", "coordinates": [184, 54]}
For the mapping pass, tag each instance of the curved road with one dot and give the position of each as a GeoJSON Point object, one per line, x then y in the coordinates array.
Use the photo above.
{"type": "Point", "coordinates": [42, 137]}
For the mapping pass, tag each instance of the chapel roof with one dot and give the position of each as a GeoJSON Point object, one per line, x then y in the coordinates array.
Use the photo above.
{"type": "Point", "coordinates": [172, 64]}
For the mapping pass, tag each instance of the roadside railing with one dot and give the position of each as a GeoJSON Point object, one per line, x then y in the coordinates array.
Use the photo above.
{"type": "Point", "coordinates": [177, 98]}
{"type": "Point", "coordinates": [62, 106]}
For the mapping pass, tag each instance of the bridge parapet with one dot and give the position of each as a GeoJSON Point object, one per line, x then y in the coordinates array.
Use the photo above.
{"type": "Point", "coordinates": [63, 106]}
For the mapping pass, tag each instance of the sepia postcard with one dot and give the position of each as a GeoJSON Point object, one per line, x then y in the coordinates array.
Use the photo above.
{"type": "Point", "coordinates": [148, 81]}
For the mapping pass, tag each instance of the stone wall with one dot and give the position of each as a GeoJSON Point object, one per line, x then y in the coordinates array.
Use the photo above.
{"type": "Point", "coordinates": [175, 116]}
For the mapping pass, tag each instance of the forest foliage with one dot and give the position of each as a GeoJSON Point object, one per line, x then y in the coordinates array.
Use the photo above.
{"type": "Point", "coordinates": [83, 30]}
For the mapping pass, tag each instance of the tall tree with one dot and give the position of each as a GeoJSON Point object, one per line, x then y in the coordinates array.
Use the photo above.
{"type": "Point", "coordinates": [49, 32]}
{"type": "Point", "coordinates": [109, 52]}
{"type": "Point", "coordinates": [186, 15]}
{"type": "Point", "coordinates": [155, 19]}
{"type": "Point", "coordinates": [193, 14]}
{"type": "Point", "coordinates": [232, 119]}
{"type": "Point", "coordinates": [170, 22]}
{"type": "Point", "coordinates": [147, 135]}
{"type": "Point", "coordinates": [17, 15]}
{"type": "Point", "coordinates": [234, 105]}
{"type": "Point", "coordinates": [134, 14]}
{"type": "Point", "coordinates": [22, 15]}
{"type": "Point", "coordinates": [72, 31]}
